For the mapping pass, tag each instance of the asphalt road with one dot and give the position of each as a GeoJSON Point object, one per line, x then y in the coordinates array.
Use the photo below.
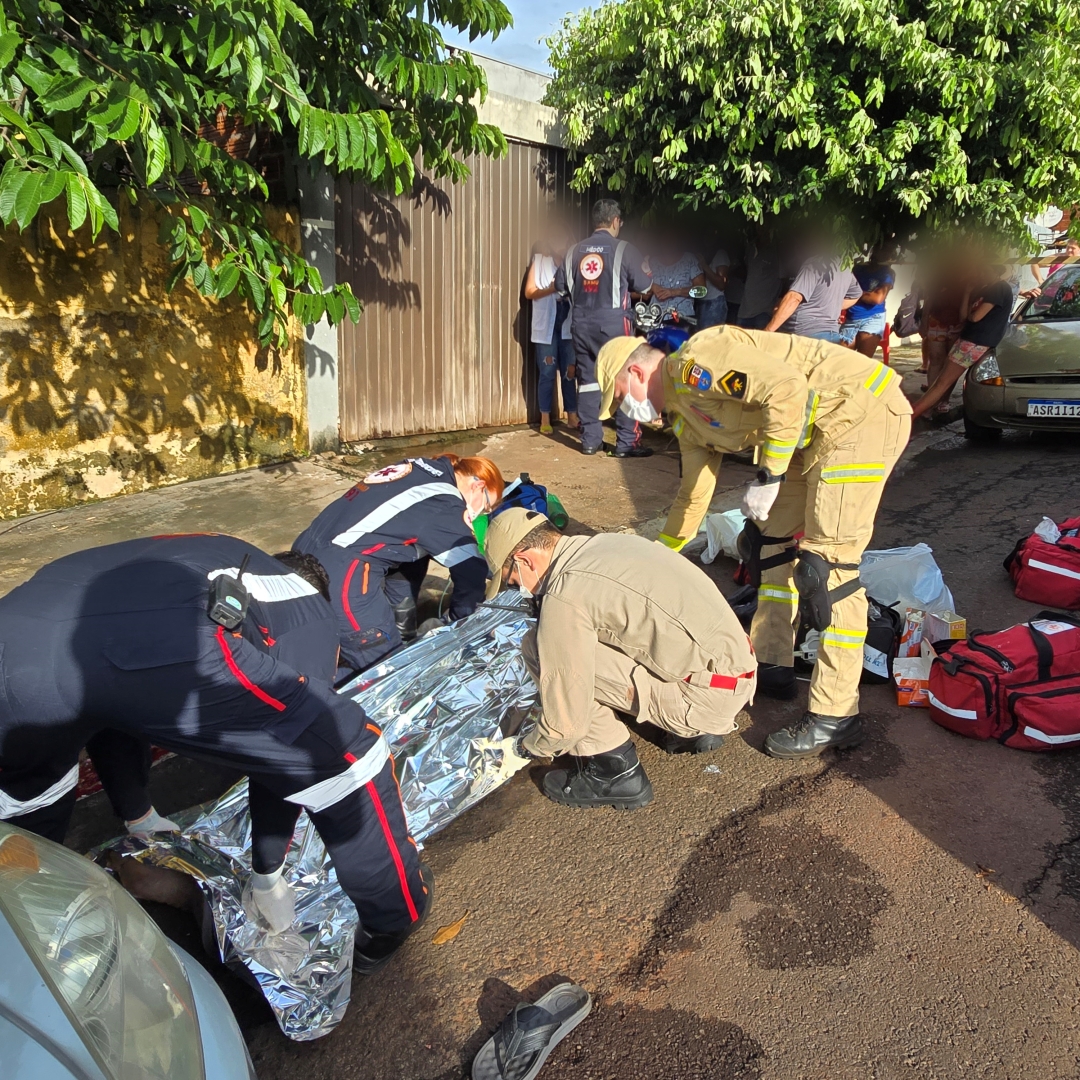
{"type": "Point", "coordinates": [907, 909]}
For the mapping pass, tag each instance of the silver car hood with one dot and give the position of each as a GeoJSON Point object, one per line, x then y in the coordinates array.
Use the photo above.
{"type": "Point", "coordinates": [1040, 348]}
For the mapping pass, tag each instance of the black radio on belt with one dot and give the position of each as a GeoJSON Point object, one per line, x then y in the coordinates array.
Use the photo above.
{"type": "Point", "coordinates": [229, 599]}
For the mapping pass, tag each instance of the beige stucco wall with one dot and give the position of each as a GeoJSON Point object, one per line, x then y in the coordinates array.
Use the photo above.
{"type": "Point", "coordinates": [109, 385]}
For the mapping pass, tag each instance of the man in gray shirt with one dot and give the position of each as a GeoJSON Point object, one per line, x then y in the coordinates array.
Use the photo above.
{"type": "Point", "coordinates": [812, 305]}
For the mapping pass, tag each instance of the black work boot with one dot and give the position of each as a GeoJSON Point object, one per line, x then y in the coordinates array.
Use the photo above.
{"type": "Point", "coordinates": [405, 618]}
{"type": "Point", "coordinates": [373, 951]}
{"type": "Point", "coordinates": [612, 779]}
{"type": "Point", "coordinates": [634, 451]}
{"type": "Point", "coordinates": [776, 682]}
{"type": "Point", "coordinates": [813, 733]}
{"type": "Point", "coordinates": [671, 743]}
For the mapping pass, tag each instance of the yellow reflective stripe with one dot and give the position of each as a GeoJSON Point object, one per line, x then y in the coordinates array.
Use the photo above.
{"type": "Point", "coordinates": [863, 472]}
{"type": "Point", "coordinates": [773, 446]}
{"type": "Point", "coordinates": [812, 400]}
{"type": "Point", "coordinates": [777, 594]}
{"type": "Point", "coordinates": [673, 542]}
{"type": "Point", "coordinates": [881, 378]}
{"type": "Point", "coordinates": [677, 426]}
{"type": "Point", "coordinates": [776, 455]}
{"type": "Point", "coordinates": [843, 639]}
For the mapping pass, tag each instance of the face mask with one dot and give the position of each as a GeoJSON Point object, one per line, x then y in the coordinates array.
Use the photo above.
{"type": "Point", "coordinates": [471, 515]}
{"type": "Point", "coordinates": [642, 412]}
{"type": "Point", "coordinates": [522, 588]}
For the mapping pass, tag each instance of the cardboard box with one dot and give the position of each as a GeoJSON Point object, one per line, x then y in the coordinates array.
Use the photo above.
{"type": "Point", "coordinates": [912, 677]}
{"type": "Point", "coordinates": [944, 626]}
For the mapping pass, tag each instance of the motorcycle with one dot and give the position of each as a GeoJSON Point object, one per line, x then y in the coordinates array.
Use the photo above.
{"type": "Point", "coordinates": [664, 329]}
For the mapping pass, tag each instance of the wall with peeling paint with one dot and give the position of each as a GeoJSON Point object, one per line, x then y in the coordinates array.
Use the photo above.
{"type": "Point", "coordinates": [109, 385]}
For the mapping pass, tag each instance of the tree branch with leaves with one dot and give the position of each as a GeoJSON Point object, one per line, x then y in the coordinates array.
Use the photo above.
{"type": "Point", "coordinates": [902, 114]}
{"type": "Point", "coordinates": [104, 95]}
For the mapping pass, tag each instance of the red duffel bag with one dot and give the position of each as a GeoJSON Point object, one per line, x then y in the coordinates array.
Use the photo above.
{"type": "Point", "coordinates": [973, 683]}
{"type": "Point", "coordinates": [1048, 573]}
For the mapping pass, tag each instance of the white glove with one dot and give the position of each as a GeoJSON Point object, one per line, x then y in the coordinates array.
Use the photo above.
{"type": "Point", "coordinates": [758, 500]}
{"type": "Point", "coordinates": [269, 900]}
{"type": "Point", "coordinates": [151, 822]}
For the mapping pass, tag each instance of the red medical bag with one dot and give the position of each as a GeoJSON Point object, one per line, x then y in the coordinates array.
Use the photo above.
{"type": "Point", "coordinates": [1020, 686]}
{"type": "Point", "coordinates": [1048, 573]}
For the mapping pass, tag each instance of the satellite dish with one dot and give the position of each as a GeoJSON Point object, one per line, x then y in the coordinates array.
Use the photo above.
{"type": "Point", "coordinates": [1048, 218]}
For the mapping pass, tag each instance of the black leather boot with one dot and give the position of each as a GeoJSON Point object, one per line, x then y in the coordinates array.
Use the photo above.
{"type": "Point", "coordinates": [612, 779]}
{"type": "Point", "coordinates": [814, 733]}
{"type": "Point", "coordinates": [776, 682]}
{"type": "Point", "coordinates": [405, 618]}
{"type": "Point", "coordinates": [671, 743]}
{"type": "Point", "coordinates": [373, 951]}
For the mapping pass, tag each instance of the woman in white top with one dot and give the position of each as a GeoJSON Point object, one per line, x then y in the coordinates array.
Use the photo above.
{"type": "Point", "coordinates": [551, 334]}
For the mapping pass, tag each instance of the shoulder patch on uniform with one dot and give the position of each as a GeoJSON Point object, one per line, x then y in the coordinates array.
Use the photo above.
{"type": "Point", "coordinates": [733, 384]}
{"type": "Point", "coordinates": [694, 375]}
{"type": "Point", "coordinates": [389, 474]}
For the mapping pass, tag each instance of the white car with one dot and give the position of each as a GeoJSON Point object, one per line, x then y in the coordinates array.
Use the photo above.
{"type": "Point", "coordinates": [90, 988]}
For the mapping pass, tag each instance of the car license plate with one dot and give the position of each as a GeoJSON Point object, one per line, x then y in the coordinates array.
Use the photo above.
{"type": "Point", "coordinates": [1053, 408]}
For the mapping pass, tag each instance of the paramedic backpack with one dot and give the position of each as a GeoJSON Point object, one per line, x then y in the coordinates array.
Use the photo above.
{"type": "Point", "coordinates": [1048, 573]}
{"type": "Point", "coordinates": [1020, 686]}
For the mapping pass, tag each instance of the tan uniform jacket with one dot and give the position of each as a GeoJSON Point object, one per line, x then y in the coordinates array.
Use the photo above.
{"type": "Point", "coordinates": [730, 388]}
{"type": "Point", "coordinates": [651, 604]}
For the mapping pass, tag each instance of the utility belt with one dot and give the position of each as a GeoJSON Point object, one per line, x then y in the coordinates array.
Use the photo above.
{"type": "Point", "coordinates": [811, 574]}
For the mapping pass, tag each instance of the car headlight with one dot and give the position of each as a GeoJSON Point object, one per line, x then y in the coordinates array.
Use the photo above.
{"type": "Point", "coordinates": [987, 372]}
{"type": "Point", "coordinates": [104, 959]}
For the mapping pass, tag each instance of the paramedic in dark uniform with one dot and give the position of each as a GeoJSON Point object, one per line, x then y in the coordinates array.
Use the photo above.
{"type": "Point", "coordinates": [375, 542]}
{"type": "Point", "coordinates": [121, 637]}
{"type": "Point", "coordinates": [599, 274]}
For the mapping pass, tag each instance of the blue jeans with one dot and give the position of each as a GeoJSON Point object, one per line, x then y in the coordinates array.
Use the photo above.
{"type": "Point", "coordinates": [711, 312]}
{"type": "Point", "coordinates": [827, 335]}
{"type": "Point", "coordinates": [555, 356]}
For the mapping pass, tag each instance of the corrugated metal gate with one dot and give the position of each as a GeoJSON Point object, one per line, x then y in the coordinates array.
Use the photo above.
{"type": "Point", "coordinates": [443, 341]}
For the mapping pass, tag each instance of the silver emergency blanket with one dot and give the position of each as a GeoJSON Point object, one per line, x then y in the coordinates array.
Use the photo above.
{"type": "Point", "coordinates": [445, 705]}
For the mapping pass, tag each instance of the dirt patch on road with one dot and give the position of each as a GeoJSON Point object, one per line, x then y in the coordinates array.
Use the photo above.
{"type": "Point", "coordinates": [809, 901]}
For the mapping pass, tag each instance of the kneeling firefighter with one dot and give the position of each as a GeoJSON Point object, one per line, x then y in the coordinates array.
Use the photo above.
{"type": "Point", "coordinates": [206, 646]}
{"type": "Point", "coordinates": [829, 425]}
{"type": "Point", "coordinates": [375, 542]}
{"type": "Point", "coordinates": [623, 628]}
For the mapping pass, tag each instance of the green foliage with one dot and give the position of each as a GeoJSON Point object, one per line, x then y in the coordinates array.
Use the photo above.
{"type": "Point", "coordinates": [97, 95]}
{"type": "Point", "coordinates": [939, 112]}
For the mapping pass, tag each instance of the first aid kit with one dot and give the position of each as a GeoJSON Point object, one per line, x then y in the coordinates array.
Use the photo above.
{"type": "Point", "coordinates": [1045, 566]}
{"type": "Point", "coordinates": [1020, 686]}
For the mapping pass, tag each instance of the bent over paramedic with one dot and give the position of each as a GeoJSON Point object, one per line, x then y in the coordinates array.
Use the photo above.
{"type": "Point", "coordinates": [120, 637]}
{"type": "Point", "coordinates": [624, 626]}
{"type": "Point", "coordinates": [599, 274]}
{"type": "Point", "coordinates": [376, 540]}
{"type": "Point", "coordinates": [830, 425]}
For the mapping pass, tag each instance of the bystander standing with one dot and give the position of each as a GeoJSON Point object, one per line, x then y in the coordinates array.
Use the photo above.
{"type": "Point", "coordinates": [712, 309]}
{"type": "Point", "coordinates": [812, 305]}
{"type": "Point", "coordinates": [550, 333]}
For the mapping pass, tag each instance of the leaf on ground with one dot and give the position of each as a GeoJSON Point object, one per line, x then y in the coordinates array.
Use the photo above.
{"type": "Point", "coordinates": [448, 933]}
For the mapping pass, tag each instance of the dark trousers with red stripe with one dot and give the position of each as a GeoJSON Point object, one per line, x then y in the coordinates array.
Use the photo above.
{"type": "Point", "coordinates": [364, 591]}
{"type": "Point", "coordinates": [365, 834]}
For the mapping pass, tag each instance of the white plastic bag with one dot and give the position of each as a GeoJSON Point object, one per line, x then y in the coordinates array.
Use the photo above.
{"type": "Point", "coordinates": [907, 575]}
{"type": "Point", "coordinates": [722, 532]}
{"type": "Point", "coordinates": [1047, 530]}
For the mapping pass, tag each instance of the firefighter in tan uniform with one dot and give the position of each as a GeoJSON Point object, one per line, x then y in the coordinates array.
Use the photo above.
{"type": "Point", "coordinates": [829, 425]}
{"type": "Point", "coordinates": [624, 626]}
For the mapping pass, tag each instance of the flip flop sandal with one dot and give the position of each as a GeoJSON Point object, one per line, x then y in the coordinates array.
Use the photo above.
{"type": "Point", "coordinates": [522, 1042]}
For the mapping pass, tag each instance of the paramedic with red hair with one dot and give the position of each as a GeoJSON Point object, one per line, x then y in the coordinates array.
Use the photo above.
{"type": "Point", "coordinates": [376, 540]}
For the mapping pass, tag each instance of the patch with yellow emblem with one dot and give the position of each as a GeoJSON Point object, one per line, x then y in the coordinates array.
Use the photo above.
{"type": "Point", "coordinates": [733, 384]}
{"type": "Point", "coordinates": [695, 376]}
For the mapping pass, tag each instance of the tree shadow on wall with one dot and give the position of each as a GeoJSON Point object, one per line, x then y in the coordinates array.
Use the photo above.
{"type": "Point", "coordinates": [370, 252]}
{"type": "Point", "coordinates": [163, 379]}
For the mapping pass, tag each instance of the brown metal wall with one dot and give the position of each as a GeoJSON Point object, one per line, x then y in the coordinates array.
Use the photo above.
{"type": "Point", "coordinates": [442, 344]}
